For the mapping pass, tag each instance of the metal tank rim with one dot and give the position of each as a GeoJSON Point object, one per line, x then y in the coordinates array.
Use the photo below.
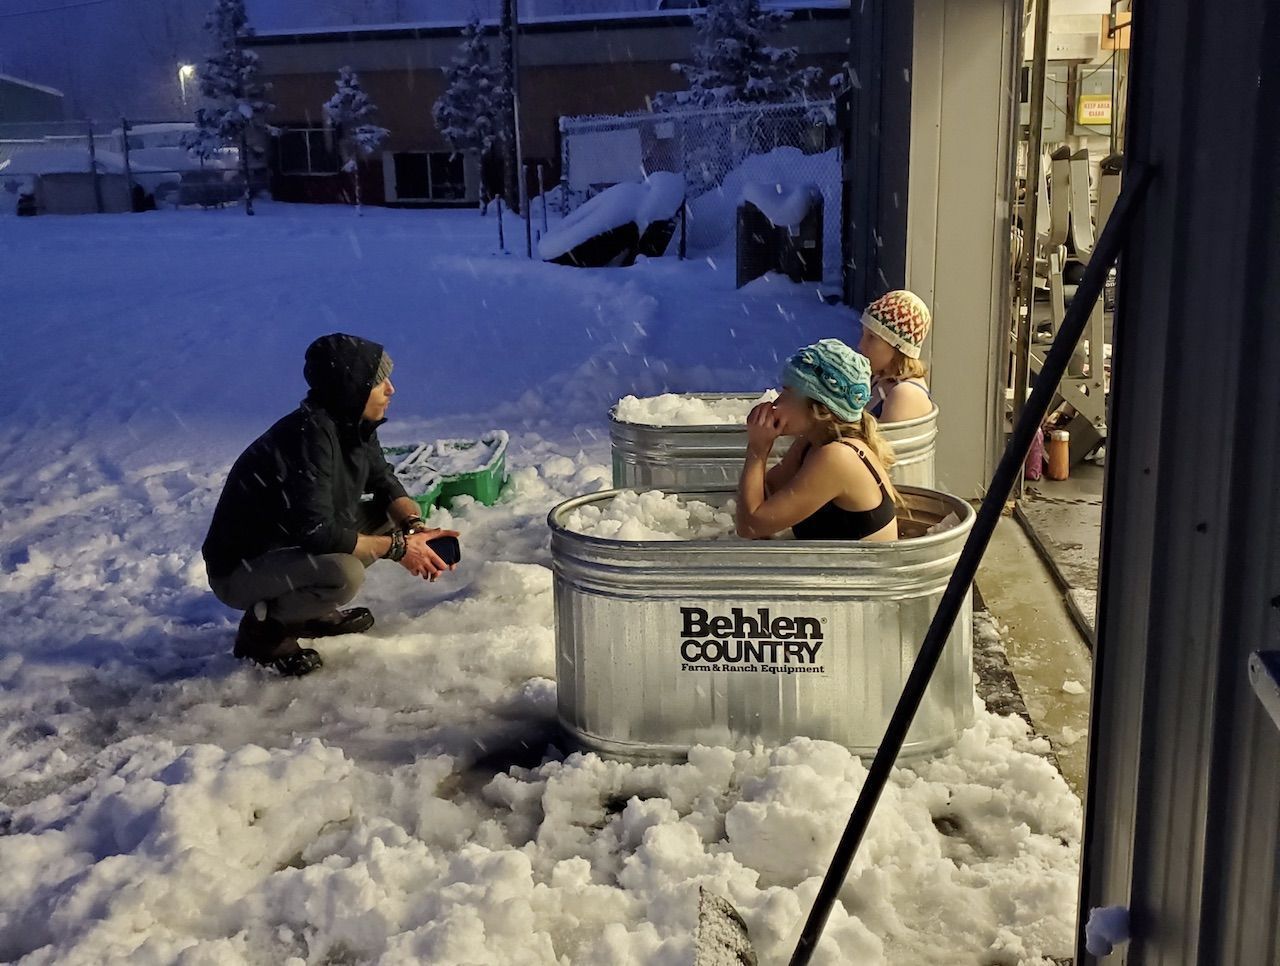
{"type": "Point", "coordinates": [841, 547]}
{"type": "Point", "coordinates": [732, 427]}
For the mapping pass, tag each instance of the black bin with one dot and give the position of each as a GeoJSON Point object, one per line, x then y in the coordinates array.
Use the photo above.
{"type": "Point", "coordinates": [801, 254]}
{"type": "Point", "coordinates": [763, 246]}
{"type": "Point", "coordinates": [758, 244]}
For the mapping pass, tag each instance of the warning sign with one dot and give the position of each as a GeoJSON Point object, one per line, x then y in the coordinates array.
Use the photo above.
{"type": "Point", "coordinates": [1093, 110]}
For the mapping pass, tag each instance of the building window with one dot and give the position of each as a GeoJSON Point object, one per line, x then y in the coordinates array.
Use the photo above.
{"type": "Point", "coordinates": [448, 182]}
{"type": "Point", "coordinates": [306, 150]}
{"type": "Point", "coordinates": [428, 176]}
{"type": "Point", "coordinates": [413, 175]}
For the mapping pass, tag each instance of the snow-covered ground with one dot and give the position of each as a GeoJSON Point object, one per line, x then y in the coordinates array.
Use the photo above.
{"type": "Point", "coordinates": [410, 803]}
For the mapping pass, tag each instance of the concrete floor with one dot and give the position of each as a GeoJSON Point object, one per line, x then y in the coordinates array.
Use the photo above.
{"type": "Point", "coordinates": [1046, 652]}
{"type": "Point", "coordinates": [1064, 521]}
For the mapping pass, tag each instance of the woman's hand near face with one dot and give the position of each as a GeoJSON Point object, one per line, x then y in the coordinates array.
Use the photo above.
{"type": "Point", "coordinates": [763, 428]}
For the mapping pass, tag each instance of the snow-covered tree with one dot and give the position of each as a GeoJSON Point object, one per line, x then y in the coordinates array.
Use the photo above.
{"type": "Point", "coordinates": [470, 112]}
{"type": "Point", "coordinates": [733, 63]}
{"type": "Point", "coordinates": [349, 113]}
{"type": "Point", "coordinates": [236, 99]}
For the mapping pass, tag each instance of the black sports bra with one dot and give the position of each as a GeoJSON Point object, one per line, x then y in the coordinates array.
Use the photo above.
{"type": "Point", "coordinates": [830, 522]}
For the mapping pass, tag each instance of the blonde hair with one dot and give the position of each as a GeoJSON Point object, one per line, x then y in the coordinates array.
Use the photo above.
{"type": "Point", "coordinates": [865, 431]}
{"type": "Point", "coordinates": [904, 367]}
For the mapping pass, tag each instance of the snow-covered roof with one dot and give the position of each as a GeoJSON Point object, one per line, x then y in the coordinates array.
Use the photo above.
{"type": "Point", "coordinates": [10, 79]}
{"type": "Point", "coordinates": [453, 25]}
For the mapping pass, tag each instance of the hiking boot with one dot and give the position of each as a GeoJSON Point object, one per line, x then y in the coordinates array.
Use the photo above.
{"type": "Point", "coordinates": [267, 642]}
{"type": "Point", "coordinates": [353, 621]}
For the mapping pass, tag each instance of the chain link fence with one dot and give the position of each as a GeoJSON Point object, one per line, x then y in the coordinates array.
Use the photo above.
{"type": "Point", "coordinates": [719, 152]}
{"type": "Point", "coordinates": [75, 167]}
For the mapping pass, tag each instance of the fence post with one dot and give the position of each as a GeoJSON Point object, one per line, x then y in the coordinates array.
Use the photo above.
{"type": "Point", "coordinates": [542, 193]}
{"type": "Point", "coordinates": [502, 241]}
{"type": "Point", "coordinates": [684, 209]}
{"type": "Point", "coordinates": [128, 170]}
{"type": "Point", "coordinates": [524, 210]}
{"type": "Point", "coordinates": [93, 169]}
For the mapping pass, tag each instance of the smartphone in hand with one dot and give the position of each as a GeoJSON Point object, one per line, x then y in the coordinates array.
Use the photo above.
{"type": "Point", "coordinates": [447, 549]}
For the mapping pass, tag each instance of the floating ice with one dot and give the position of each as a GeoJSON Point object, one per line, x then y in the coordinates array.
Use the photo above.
{"type": "Point", "coordinates": [652, 515]}
{"type": "Point", "coordinates": [675, 409]}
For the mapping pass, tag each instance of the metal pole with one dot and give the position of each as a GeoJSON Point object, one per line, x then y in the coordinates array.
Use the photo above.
{"type": "Point", "coordinates": [244, 169]}
{"type": "Point", "coordinates": [522, 188]}
{"type": "Point", "coordinates": [124, 151]}
{"type": "Point", "coordinates": [502, 241]}
{"type": "Point", "coordinates": [1030, 206]}
{"type": "Point", "coordinates": [542, 193]}
{"type": "Point", "coordinates": [507, 69]}
{"type": "Point", "coordinates": [1006, 476]}
{"type": "Point", "coordinates": [528, 215]}
{"type": "Point", "coordinates": [684, 222]}
{"type": "Point", "coordinates": [93, 169]}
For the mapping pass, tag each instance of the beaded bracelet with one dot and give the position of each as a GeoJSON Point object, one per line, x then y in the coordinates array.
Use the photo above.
{"type": "Point", "coordinates": [399, 547]}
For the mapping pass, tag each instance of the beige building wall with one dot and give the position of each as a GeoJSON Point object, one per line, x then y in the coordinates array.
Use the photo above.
{"type": "Point", "coordinates": [565, 71]}
{"type": "Point", "coordinates": [958, 214]}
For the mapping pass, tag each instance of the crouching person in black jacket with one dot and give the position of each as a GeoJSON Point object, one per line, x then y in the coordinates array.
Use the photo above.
{"type": "Point", "coordinates": [291, 537]}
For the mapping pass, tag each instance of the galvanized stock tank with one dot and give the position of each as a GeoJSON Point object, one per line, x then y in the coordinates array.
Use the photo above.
{"type": "Point", "coordinates": [706, 458]}
{"type": "Point", "coordinates": [664, 645]}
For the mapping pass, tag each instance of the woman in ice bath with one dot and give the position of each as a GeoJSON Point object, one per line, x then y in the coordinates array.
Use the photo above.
{"type": "Point", "coordinates": [894, 327]}
{"type": "Point", "coordinates": [833, 483]}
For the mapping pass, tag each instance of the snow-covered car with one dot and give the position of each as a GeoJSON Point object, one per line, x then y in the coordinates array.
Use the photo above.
{"type": "Point", "coordinates": [157, 162]}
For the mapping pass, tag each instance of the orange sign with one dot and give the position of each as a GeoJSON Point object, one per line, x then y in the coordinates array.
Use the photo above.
{"type": "Point", "coordinates": [1115, 36]}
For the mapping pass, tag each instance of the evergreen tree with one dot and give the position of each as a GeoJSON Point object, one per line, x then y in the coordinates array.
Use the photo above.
{"type": "Point", "coordinates": [470, 112]}
{"type": "Point", "coordinates": [350, 112]}
{"type": "Point", "coordinates": [734, 64]}
{"type": "Point", "coordinates": [236, 104]}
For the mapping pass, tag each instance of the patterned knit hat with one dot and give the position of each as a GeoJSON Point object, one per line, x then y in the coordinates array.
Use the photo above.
{"type": "Point", "coordinates": [831, 373]}
{"type": "Point", "coordinates": [384, 370]}
{"type": "Point", "coordinates": [901, 319]}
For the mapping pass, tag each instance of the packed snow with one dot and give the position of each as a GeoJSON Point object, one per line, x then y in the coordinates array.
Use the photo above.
{"type": "Point", "coordinates": [413, 801]}
{"type": "Point", "coordinates": [1107, 927]}
{"type": "Point", "coordinates": [677, 409]}
{"type": "Point", "coordinates": [656, 198]}
{"type": "Point", "coordinates": [651, 515]}
{"type": "Point", "coordinates": [784, 205]}
{"type": "Point", "coordinates": [713, 216]}
{"type": "Point", "coordinates": [427, 463]}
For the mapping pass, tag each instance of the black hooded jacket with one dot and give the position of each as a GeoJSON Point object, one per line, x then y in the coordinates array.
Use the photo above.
{"type": "Point", "coordinates": [299, 484]}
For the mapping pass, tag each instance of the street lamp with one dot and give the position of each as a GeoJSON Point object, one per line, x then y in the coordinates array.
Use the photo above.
{"type": "Point", "coordinates": [185, 73]}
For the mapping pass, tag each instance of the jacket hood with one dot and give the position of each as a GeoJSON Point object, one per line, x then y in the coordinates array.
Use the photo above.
{"type": "Point", "coordinates": [340, 370]}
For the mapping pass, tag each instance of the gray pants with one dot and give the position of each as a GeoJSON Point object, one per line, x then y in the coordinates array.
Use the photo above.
{"type": "Point", "coordinates": [295, 585]}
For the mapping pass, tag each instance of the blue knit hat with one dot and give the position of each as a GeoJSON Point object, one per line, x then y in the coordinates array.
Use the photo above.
{"type": "Point", "coordinates": [831, 373]}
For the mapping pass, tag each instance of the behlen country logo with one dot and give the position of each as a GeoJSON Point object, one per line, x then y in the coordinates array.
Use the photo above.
{"type": "Point", "coordinates": [757, 642]}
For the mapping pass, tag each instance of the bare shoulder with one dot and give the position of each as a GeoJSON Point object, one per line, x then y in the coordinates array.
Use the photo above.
{"type": "Point", "coordinates": [907, 399]}
{"type": "Point", "coordinates": [843, 454]}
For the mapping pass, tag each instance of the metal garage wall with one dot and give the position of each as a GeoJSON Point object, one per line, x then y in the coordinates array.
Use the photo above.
{"type": "Point", "coordinates": [1183, 810]}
